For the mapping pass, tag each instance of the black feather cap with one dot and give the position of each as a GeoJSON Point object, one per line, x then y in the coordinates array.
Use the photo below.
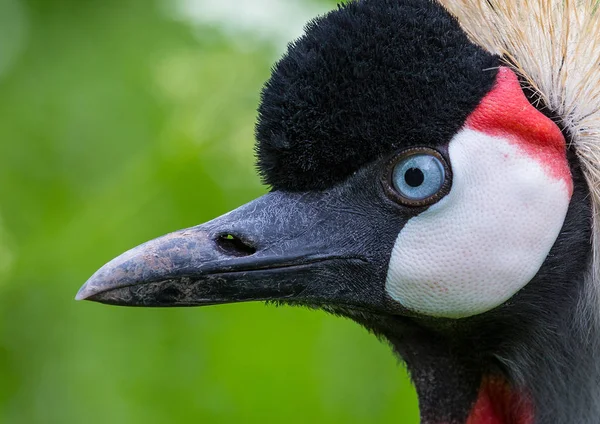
{"type": "Point", "coordinates": [364, 80]}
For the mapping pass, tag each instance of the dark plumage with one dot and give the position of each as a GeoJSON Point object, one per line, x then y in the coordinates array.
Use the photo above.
{"type": "Point", "coordinates": [365, 80]}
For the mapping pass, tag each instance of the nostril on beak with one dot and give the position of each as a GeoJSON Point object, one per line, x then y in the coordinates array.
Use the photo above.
{"type": "Point", "coordinates": [234, 246]}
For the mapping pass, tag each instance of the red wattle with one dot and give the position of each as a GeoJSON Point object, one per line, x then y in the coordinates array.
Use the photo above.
{"type": "Point", "coordinates": [498, 403]}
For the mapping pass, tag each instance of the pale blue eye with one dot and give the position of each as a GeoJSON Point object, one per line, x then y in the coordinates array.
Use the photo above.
{"type": "Point", "coordinates": [419, 176]}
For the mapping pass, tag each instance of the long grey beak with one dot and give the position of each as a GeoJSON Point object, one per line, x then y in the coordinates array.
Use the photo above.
{"type": "Point", "coordinates": [283, 246]}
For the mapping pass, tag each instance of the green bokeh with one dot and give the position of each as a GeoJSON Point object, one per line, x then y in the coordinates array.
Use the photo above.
{"type": "Point", "coordinates": [119, 123]}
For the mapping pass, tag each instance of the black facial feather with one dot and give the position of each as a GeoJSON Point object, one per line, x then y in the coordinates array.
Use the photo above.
{"type": "Point", "coordinates": [365, 80]}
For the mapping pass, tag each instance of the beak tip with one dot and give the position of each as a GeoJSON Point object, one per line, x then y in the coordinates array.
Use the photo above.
{"type": "Point", "coordinates": [89, 289]}
{"type": "Point", "coordinates": [84, 293]}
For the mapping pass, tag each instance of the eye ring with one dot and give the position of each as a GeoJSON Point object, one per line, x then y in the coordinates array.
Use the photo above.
{"type": "Point", "coordinates": [398, 158]}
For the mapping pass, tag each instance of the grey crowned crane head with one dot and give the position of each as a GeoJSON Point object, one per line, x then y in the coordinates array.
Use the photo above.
{"type": "Point", "coordinates": [434, 172]}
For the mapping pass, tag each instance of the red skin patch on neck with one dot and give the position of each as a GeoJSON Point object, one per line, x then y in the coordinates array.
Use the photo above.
{"type": "Point", "coordinates": [505, 112]}
{"type": "Point", "coordinates": [498, 403]}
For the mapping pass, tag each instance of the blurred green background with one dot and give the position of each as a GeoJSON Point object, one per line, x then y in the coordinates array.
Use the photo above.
{"type": "Point", "coordinates": [121, 120]}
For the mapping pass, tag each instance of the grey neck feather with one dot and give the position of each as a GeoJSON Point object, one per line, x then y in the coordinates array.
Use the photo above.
{"type": "Point", "coordinates": [559, 364]}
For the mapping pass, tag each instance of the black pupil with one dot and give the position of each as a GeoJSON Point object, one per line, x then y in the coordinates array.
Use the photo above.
{"type": "Point", "coordinates": [414, 177]}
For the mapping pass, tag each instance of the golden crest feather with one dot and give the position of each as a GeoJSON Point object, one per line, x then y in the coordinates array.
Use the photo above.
{"type": "Point", "coordinates": [555, 46]}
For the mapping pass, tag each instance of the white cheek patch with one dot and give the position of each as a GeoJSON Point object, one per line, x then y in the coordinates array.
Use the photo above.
{"type": "Point", "coordinates": [486, 239]}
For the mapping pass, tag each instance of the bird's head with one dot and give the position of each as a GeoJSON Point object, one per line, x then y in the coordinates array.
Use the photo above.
{"type": "Point", "coordinates": [415, 189]}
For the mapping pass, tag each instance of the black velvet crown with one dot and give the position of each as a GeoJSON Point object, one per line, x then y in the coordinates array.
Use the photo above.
{"type": "Point", "coordinates": [363, 81]}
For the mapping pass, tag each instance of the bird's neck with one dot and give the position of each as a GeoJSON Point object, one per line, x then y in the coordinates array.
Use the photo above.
{"type": "Point", "coordinates": [454, 388]}
{"type": "Point", "coordinates": [547, 376]}
{"type": "Point", "coordinates": [447, 378]}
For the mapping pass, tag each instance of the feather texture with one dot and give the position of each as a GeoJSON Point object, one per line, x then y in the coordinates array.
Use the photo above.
{"type": "Point", "coordinates": [555, 46]}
